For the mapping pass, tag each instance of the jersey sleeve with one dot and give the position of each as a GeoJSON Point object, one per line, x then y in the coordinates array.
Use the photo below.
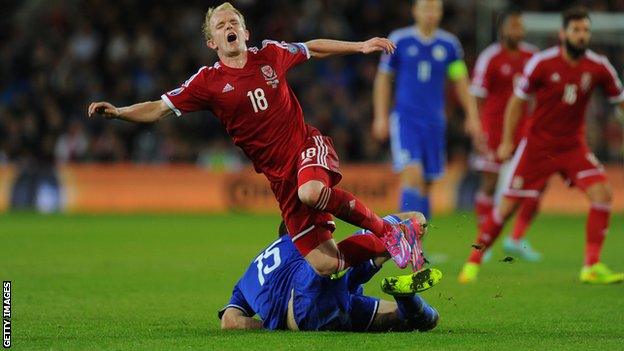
{"type": "Point", "coordinates": [287, 54]}
{"type": "Point", "coordinates": [238, 301]}
{"type": "Point", "coordinates": [611, 83]}
{"type": "Point", "coordinates": [480, 84]}
{"type": "Point", "coordinates": [457, 52]}
{"type": "Point", "coordinates": [389, 63]}
{"type": "Point", "coordinates": [191, 96]}
{"type": "Point", "coordinates": [531, 79]}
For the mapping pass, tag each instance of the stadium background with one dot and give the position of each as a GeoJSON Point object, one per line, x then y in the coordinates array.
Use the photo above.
{"type": "Point", "coordinates": [56, 56]}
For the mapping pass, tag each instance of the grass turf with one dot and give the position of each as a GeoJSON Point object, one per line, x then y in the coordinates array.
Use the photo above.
{"type": "Point", "coordinates": [152, 282]}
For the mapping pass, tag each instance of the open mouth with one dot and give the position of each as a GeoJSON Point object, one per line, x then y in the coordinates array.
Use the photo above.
{"type": "Point", "coordinates": [231, 37]}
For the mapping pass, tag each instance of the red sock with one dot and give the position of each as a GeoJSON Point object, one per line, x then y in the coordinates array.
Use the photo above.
{"type": "Point", "coordinates": [527, 212]}
{"type": "Point", "coordinates": [490, 230]}
{"type": "Point", "coordinates": [483, 207]}
{"type": "Point", "coordinates": [359, 248]}
{"type": "Point", "coordinates": [348, 208]}
{"type": "Point", "coordinates": [596, 230]}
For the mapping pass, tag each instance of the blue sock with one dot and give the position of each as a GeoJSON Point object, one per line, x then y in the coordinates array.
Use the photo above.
{"type": "Point", "coordinates": [418, 314]}
{"type": "Point", "coordinates": [412, 200]}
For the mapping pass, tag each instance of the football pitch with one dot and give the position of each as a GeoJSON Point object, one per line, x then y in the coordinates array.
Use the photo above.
{"type": "Point", "coordinates": [155, 282]}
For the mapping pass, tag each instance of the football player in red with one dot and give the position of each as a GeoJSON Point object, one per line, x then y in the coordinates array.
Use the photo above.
{"type": "Point", "coordinates": [247, 91]}
{"type": "Point", "coordinates": [561, 79]}
{"type": "Point", "coordinates": [497, 69]}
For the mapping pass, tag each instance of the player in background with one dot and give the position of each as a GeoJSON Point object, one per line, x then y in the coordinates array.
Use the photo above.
{"type": "Point", "coordinates": [248, 92]}
{"type": "Point", "coordinates": [285, 293]}
{"type": "Point", "coordinates": [562, 80]}
{"type": "Point", "coordinates": [417, 72]}
{"type": "Point", "coordinates": [496, 71]}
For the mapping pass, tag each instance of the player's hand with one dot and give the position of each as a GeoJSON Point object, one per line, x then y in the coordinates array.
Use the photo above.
{"type": "Point", "coordinates": [378, 44]}
{"type": "Point", "coordinates": [473, 128]}
{"type": "Point", "coordinates": [380, 129]}
{"type": "Point", "coordinates": [505, 150]}
{"type": "Point", "coordinates": [104, 109]}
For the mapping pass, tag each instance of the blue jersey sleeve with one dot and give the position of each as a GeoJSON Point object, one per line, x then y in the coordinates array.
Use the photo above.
{"type": "Point", "coordinates": [457, 52]}
{"type": "Point", "coordinates": [239, 302]}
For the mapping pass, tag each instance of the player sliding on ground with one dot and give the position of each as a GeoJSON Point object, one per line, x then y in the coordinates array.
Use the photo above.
{"type": "Point", "coordinates": [284, 291]}
{"type": "Point", "coordinates": [562, 79]}
{"type": "Point", "coordinates": [247, 91]}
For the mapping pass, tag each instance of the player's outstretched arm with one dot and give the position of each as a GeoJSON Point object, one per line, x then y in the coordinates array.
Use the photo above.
{"type": "Point", "coordinates": [144, 112]}
{"type": "Point", "coordinates": [234, 318]}
{"type": "Point", "coordinates": [320, 48]}
{"type": "Point", "coordinates": [382, 97]}
{"type": "Point", "coordinates": [513, 114]}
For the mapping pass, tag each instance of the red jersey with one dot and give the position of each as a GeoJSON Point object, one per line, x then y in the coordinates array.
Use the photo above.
{"type": "Point", "coordinates": [496, 72]}
{"type": "Point", "coordinates": [562, 91]}
{"type": "Point", "coordinates": [254, 103]}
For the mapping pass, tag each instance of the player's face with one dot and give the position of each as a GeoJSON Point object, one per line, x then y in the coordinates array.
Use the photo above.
{"type": "Point", "coordinates": [577, 34]}
{"type": "Point", "coordinates": [513, 31]}
{"type": "Point", "coordinates": [229, 36]}
{"type": "Point", "coordinates": [428, 13]}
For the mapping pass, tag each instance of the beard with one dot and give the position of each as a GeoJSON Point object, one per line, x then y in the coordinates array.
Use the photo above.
{"type": "Point", "coordinates": [575, 51]}
{"type": "Point", "coordinates": [512, 43]}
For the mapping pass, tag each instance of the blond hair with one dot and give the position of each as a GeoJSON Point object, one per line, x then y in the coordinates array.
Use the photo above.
{"type": "Point", "coordinates": [213, 10]}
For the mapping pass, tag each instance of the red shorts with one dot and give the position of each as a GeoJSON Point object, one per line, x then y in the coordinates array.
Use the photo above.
{"type": "Point", "coordinates": [533, 164]}
{"type": "Point", "coordinates": [307, 226]}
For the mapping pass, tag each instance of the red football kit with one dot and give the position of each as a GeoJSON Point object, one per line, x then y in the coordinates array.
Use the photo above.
{"type": "Point", "coordinates": [263, 117]}
{"type": "Point", "coordinates": [555, 140]}
{"type": "Point", "coordinates": [496, 72]}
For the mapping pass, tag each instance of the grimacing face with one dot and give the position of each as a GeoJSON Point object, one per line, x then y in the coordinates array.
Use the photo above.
{"type": "Point", "coordinates": [229, 36]}
{"type": "Point", "coordinates": [513, 30]}
{"type": "Point", "coordinates": [428, 13]}
{"type": "Point", "coordinates": [577, 33]}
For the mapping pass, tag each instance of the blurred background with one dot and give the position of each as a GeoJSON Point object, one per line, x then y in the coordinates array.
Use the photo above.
{"type": "Point", "coordinates": [57, 56]}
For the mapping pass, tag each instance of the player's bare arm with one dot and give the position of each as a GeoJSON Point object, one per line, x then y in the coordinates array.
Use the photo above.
{"type": "Point", "coordinates": [513, 114]}
{"type": "Point", "coordinates": [382, 98]}
{"type": "Point", "coordinates": [234, 319]}
{"type": "Point", "coordinates": [472, 124]}
{"type": "Point", "coordinates": [144, 112]}
{"type": "Point", "coordinates": [320, 48]}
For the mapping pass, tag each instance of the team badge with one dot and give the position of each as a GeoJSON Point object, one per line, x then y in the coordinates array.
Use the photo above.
{"type": "Point", "coordinates": [439, 52]}
{"type": "Point", "coordinates": [555, 77]}
{"type": "Point", "coordinates": [269, 75]}
{"type": "Point", "coordinates": [505, 69]}
{"type": "Point", "coordinates": [586, 80]}
{"type": "Point", "coordinates": [412, 50]}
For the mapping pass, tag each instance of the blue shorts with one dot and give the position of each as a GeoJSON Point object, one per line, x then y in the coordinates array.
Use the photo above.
{"type": "Point", "coordinates": [324, 304]}
{"type": "Point", "coordinates": [416, 143]}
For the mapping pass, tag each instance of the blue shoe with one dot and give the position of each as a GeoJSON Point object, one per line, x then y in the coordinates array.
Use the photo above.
{"type": "Point", "coordinates": [521, 249]}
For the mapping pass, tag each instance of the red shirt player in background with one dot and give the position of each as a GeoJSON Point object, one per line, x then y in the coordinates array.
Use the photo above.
{"type": "Point", "coordinates": [497, 70]}
{"type": "Point", "coordinates": [562, 80]}
{"type": "Point", "coordinates": [247, 91]}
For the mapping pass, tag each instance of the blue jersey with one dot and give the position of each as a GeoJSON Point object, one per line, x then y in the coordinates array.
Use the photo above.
{"type": "Point", "coordinates": [420, 67]}
{"type": "Point", "coordinates": [280, 272]}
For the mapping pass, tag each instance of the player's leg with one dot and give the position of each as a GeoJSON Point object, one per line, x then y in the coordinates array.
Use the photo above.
{"type": "Point", "coordinates": [594, 271]}
{"type": "Point", "coordinates": [414, 190]}
{"type": "Point", "coordinates": [404, 314]}
{"type": "Point", "coordinates": [316, 178]}
{"type": "Point", "coordinates": [484, 200]}
{"type": "Point", "coordinates": [516, 244]}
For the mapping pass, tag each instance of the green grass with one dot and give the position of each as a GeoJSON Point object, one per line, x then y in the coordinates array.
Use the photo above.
{"type": "Point", "coordinates": [146, 282]}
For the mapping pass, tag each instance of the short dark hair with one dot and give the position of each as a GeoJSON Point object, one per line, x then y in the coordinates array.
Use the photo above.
{"type": "Point", "coordinates": [573, 14]}
{"type": "Point", "coordinates": [505, 14]}
{"type": "Point", "coordinates": [282, 229]}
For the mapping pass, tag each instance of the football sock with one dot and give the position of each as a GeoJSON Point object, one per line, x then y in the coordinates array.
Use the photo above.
{"type": "Point", "coordinates": [410, 307]}
{"type": "Point", "coordinates": [347, 207]}
{"type": "Point", "coordinates": [596, 230]}
{"type": "Point", "coordinates": [413, 200]}
{"type": "Point", "coordinates": [488, 233]}
{"type": "Point", "coordinates": [484, 204]}
{"type": "Point", "coordinates": [527, 212]}
{"type": "Point", "coordinates": [360, 248]}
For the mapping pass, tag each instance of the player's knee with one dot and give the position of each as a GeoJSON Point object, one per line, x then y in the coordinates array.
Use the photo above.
{"type": "Point", "coordinates": [326, 268]}
{"type": "Point", "coordinates": [601, 193]}
{"type": "Point", "coordinates": [413, 178]}
{"type": "Point", "coordinates": [310, 192]}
